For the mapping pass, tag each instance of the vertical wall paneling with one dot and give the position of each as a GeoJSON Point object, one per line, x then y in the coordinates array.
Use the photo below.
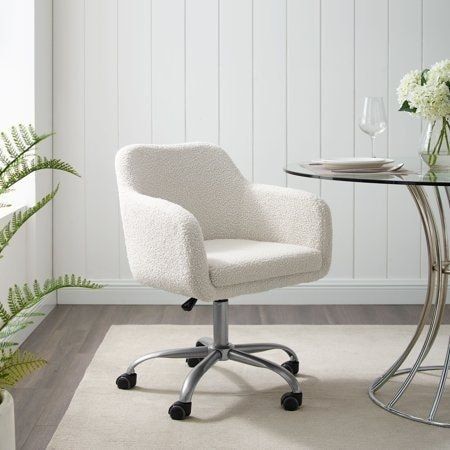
{"type": "Point", "coordinates": [134, 84]}
{"type": "Point", "coordinates": [436, 32]}
{"type": "Point", "coordinates": [168, 70]}
{"type": "Point", "coordinates": [101, 139]}
{"type": "Point", "coordinates": [303, 87]}
{"type": "Point", "coordinates": [69, 221]}
{"type": "Point", "coordinates": [235, 75]}
{"type": "Point", "coordinates": [39, 229]}
{"type": "Point", "coordinates": [270, 80]}
{"type": "Point", "coordinates": [371, 64]}
{"type": "Point", "coordinates": [405, 53]}
{"type": "Point", "coordinates": [269, 89]}
{"type": "Point", "coordinates": [337, 119]}
{"type": "Point", "coordinates": [202, 70]}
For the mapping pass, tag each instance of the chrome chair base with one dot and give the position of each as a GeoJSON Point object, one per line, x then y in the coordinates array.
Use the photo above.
{"type": "Point", "coordinates": [432, 313]}
{"type": "Point", "coordinates": [209, 351]}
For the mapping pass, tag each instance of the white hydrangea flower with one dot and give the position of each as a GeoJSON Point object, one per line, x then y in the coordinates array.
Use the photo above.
{"type": "Point", "coordinates": [431, 100]}
{"type": "Point", "coordinates": [439, 72]}
{"type": "Point", "coordinates": [408, 84]}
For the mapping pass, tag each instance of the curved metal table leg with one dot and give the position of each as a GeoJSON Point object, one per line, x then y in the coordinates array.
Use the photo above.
{"type": "Point", "coordinates": [196, 374]}
{"type": "Point", "coordinates": [433, 309]}
{"type": "Point", "coordinates": [255, 348]}
{"type": "Point", "coordinates": [252, 360]}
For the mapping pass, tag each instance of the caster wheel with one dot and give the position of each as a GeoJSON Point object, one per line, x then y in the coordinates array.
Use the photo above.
{"type": "Point", "coordinates": [292, 366]}
{"type": "Point", "coordinates": [180, 410]}
{"type": "Point", "coordinates": [192, 362]}
{"type": "Point", "coordinates": [291, 401]}
{"type": "Point", "coordinates": [126, 381]}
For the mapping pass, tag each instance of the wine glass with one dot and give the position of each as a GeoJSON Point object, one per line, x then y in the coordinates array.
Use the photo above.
{"type": "Point", "coordinates": [373, 120]}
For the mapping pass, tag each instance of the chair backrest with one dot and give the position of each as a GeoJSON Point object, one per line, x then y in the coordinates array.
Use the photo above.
{"type": "Point", "coordinates": [199, 177]}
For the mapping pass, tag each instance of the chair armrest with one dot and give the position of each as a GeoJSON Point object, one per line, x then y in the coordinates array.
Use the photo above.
{"type": "Point", "coordinates": [291, 216]}
{"type": "Point", "coordinates": [164, 244]}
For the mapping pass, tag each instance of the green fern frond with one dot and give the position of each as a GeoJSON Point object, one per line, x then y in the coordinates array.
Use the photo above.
{"type": "Point", "coordinates": [13, 328]}
{"type": "Point", "coordinates": [3, 159]}
{"type": "Point", "coordinates": [24, 168]}
{"type": "Point", "coordinates": [4, 314]}
{"type": "Point", "coordinates": [17, 161]}
{"type": "Point", "coordinates": [19, 218]}
{"type": "Point", "coordinates": [22, 298]}
{"type": "Point", "coordinates": [20, 364]}
{"type": "Point", "coordinates": [33, 133]}
{"type": "Point", "coordinates": [17, 144]}
{"type": "Point", "coordinates": [8, 146]}
{"type": "Point", "coordinates": [6, 344]}
{"type": "Point", "coordinates": [20, 145]}
{"type": "Point", "coordinates": [26, 136]}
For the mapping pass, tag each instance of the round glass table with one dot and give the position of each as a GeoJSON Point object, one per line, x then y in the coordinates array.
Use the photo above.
{"type": "Point", "coordinates": [434, 225]}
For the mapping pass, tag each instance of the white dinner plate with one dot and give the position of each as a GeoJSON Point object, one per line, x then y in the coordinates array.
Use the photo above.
{"type": "Point", "coordinates": [355, 163]}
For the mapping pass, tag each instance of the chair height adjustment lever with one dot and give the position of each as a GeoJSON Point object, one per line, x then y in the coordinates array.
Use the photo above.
{"type": "Point", "coordinates": [189, 304]}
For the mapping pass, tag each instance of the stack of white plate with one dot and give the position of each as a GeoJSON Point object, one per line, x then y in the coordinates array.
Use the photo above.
{"type": "Point", "coordinates": [357, 164]}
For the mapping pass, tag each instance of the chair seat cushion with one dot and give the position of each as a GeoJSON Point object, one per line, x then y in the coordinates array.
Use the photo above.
{"type": "Point", "coordinates": [235, 261]}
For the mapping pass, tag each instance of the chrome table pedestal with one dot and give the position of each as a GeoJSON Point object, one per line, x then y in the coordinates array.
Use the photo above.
{"type": "Point", "coordinates": [433, 221]}
{"type": "Point", "coordinates": [432, 313]}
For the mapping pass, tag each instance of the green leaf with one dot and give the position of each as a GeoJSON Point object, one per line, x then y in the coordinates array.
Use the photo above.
{"type": "Point", "coordinates": [17, 366]}
{"type": "Point", "coordinates": [13, 328]}
{"type": "Point", "coordinates": [19, 218]}
{"type": "Point", "coordinates": [7, 344]}
{"type": "Point", "coordinates": [21, 300]}
{"type": "Point", "coordinates": [406, 107]}
{"type": "Point", "coordinates": [17, 161]}
{"type": "Point", "coordinates": [424, 76]}
{"type": "Point", "coordinates": [25, 167]}
{"type": "Point", "coordinates": [15, 145]}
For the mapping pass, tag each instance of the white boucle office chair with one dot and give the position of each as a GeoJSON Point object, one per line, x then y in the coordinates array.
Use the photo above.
{"type": "Point", "coordinates": [195, 226]}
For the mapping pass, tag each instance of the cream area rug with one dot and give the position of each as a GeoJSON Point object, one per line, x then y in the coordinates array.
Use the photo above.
{"type": "Point", "coordinates": [238, 407]}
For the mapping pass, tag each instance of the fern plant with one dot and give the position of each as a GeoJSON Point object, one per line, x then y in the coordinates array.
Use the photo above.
{"type": "Point", "coordinates": [18, 159]}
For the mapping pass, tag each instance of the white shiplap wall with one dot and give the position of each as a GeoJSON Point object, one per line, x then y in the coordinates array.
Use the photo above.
{"type": "Point", "coordinates": [270, 80]}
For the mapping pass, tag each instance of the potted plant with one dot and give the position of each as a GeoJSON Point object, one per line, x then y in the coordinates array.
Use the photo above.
{"type": "Point", "coordinates": [426, 93]}
{"type": "Point", "coordinates": [18, 159]}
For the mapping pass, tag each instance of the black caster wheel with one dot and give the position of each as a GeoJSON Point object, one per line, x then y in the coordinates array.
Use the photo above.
{"type": "Point", "coordinates": [126, 381]}
{"type": "Point", "coordinates": [291, 401]}
{"type": "Point", "coordinates": [192, 362]}
{"type": "Point", "coordinates": [180, 410]}
{"type": "Point", "coordinates": [292, 366]}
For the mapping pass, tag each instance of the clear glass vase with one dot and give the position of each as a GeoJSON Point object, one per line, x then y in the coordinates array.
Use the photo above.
{"type": "Point", "coordinates": [435, 144]}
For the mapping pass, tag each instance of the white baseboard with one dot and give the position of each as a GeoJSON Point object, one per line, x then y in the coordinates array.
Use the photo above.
{"type": "Point", "coordinates": [47, 304]}
{"type": "Point", "coordinates": [324, 292]}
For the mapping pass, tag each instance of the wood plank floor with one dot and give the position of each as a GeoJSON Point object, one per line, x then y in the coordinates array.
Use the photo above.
{"type": "Point", "coordinates": [70, 335]}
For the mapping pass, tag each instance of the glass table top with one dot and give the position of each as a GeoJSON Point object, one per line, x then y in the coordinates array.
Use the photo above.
{"type": "Point", "coordinates": [421, 175]}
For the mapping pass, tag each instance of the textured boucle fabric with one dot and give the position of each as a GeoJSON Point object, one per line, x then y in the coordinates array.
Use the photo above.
{"type": "Point", "coordinates": [233, 261]}
{"type": "Point", "coordinates": [175, 198]}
